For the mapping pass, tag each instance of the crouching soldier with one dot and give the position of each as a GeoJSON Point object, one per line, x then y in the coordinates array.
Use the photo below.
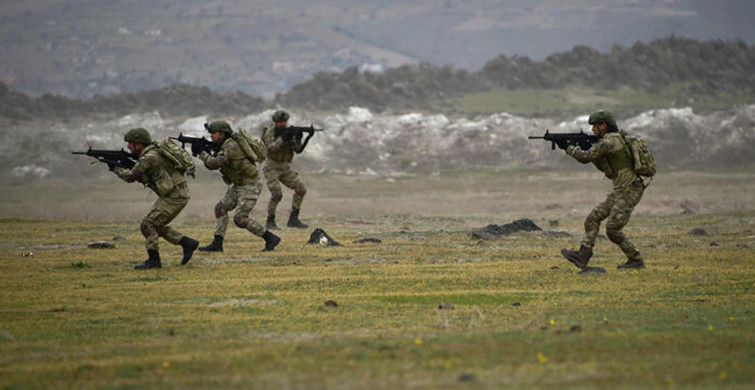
{"type": "Point", "coordinates": [154, 171]}
{"type": "Point", "coordinates": [240, 172]}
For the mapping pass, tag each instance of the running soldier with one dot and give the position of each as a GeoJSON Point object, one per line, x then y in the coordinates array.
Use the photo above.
{"type": "Point", "coordinates": [154, 171]}
{"type": "Point", "coordinates": [240, 173]}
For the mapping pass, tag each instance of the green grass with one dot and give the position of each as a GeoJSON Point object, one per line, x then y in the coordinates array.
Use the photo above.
{"type": "Point", "coordinates": [522, 317]}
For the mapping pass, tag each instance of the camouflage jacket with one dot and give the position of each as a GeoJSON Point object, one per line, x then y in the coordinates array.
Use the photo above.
{"type": "Point", "coordinates": [152, 170]}
{"type": "Point", "coordinates": [278, 149]}
{"type": "Point", "coordinates": [611, 156]}
{"type": "Point", "coordinates": [236, 168]}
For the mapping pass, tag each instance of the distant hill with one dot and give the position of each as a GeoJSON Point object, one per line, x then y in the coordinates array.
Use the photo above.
{"type": "Point", "coordinates": [707, 75]}
{"type": "Point", "coordinates": [692, 68]}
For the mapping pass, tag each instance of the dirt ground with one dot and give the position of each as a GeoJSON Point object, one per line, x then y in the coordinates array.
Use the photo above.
{"type": "Point", "coordinates": [480, 195]}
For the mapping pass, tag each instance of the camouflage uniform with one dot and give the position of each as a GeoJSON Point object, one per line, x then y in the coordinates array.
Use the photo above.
{"type": "Point", "coordinates": [155, 172]}
{"type": "Point", "coordinates": [612, 157]}
{"type": "Point", "coordinates": [277, 168]}
{"type": "Point", "coordinates": [242, 176]}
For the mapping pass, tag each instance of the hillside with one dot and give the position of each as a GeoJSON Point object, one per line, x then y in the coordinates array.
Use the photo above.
{"type": "Point", "coordinates": [670, 72]}
{"type": "Point", "coordinates": [84, 48]}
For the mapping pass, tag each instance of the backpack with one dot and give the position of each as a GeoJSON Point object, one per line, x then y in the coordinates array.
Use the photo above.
{"type": "Point", "coordinates": [253, 147]}
{"type": "Point", "coordinates": [644, 163]}
{"type": "Point", "coordinates": [178, 157]}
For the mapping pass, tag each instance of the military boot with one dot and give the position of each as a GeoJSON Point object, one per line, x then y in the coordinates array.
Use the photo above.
{"type": "Point", "coordinates": [271, 241]}
{"type": "Point", "coordinates": [270, 224]}
{"type": "Point", "coordinates": [152, 262]}
{"type": "Point", "coordinates": [579, 258]}
{"type": "Point", "coordinates": [189, 245]}
{"type": "Point", "coordinates": [293, 220]}
{"type": "Point", "coordinates": [636, 263]}
{"type": "Point", "coordinates": [215, 246]}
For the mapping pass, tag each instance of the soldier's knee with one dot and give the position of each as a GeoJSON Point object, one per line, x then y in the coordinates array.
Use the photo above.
{"type": "Point", "coordinates": [300, 190]}
{"type": "Point", "coordinates": [241, 220]}
{"type": "Point", "coordinates": [220, 210]}
{"type": "Point", "coordinates": [591, 223]}
{"type": "Point", "coordinates": [147, 228]}
{"type": "Point", "coordinates": [276, 195]}
{"type": "Point", "coordinates": [616, 236]}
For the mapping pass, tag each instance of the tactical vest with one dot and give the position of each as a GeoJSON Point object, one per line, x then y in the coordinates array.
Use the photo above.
{"type": "Point", "coordinates": [618, 165]}
{"type": "Point", "coordinates": [161, 178]}
{"type": "Point", "coordinates": [238, 169]}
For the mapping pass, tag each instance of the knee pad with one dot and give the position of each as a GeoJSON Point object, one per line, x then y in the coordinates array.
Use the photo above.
{"type": "Point", "coordinates": [591, 223]}
{"type": "Point", "coordinates": [616, 236]}
{"type": "Point", "coordinates": [146, 228]}
{"type": "Point", "coordinates": [300, 190]}
{"type": "Point", "coordinates": [241, 220]}
{"type": "Point", "coordinates": [220, 210]}
{"type": "Point", "coordinates": [276, 195]}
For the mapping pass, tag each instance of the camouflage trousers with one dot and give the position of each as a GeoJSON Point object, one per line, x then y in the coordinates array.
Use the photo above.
{"type": "Point", "coordinates": [617, 208]}
{"type": "Point", "coordinates": [277, 173]}
{"type": "Point", "coordinates": [165, 209]}
{"type": "Point", "coordinates": [243, 198]}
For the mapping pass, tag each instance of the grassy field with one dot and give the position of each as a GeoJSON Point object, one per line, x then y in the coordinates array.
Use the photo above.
{"type": "Point", "coordinates": [429, 307]}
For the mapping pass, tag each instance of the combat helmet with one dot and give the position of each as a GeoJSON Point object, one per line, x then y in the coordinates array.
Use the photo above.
{"type": "Point", "coordinates": [602, 116]}
{"type": "Point", "coordinates": [221, 126]}
{"type": "Point", "coordinates": [139, 135]}
{"type": "Point", "coordinates": [280, 116]}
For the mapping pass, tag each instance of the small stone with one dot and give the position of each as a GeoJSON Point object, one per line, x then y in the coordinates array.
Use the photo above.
{"type": "Point", "coordinates": [331, 303]}
{"type": "Point", "coordinates": [698, 231]}
{"type": "Point", "coordinates": [446, 306]}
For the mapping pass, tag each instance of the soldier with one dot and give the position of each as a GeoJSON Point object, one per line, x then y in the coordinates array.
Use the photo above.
{"type": "Point", "coordinates": [281, 147]}
{"type": "Point", "coordinates": [241, 174]}
{"type": "Point", "coordinates": [154, 171]}
{"type": "Point", "coordinates": [610, 155]}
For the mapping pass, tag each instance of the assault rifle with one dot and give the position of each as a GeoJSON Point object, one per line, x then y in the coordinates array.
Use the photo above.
{"type": "Point", "coordinates": [198, 145]}
{"type": "Point", "coordinates": [113, 158]}
{"type": "Point", "coordinates": [298, 131]}
{"type": "Point", "coordinates": [564, 140]}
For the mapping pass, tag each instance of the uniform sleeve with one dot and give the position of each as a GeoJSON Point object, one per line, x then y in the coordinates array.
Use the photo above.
{"type": "Point", "coordinates": [137, 172]}
{"type": "Point", "coordinates": [599, 149]}
{"type": "Point", "coordinates": [214, 163]}
{"type": "Point", "coordinates": [272, 144]}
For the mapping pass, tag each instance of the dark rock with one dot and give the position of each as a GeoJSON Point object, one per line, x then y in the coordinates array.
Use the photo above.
{"type": "Point", "coordinates": [330, 303]}
{"type": "Point", "coordinates": [698, 231]}
{"type": "Point", "coordinates": [494, 231]}
{"type": "Point", "coordinates": [446, 306]}
{"type": "Point", "coordinates": [713, 243]}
